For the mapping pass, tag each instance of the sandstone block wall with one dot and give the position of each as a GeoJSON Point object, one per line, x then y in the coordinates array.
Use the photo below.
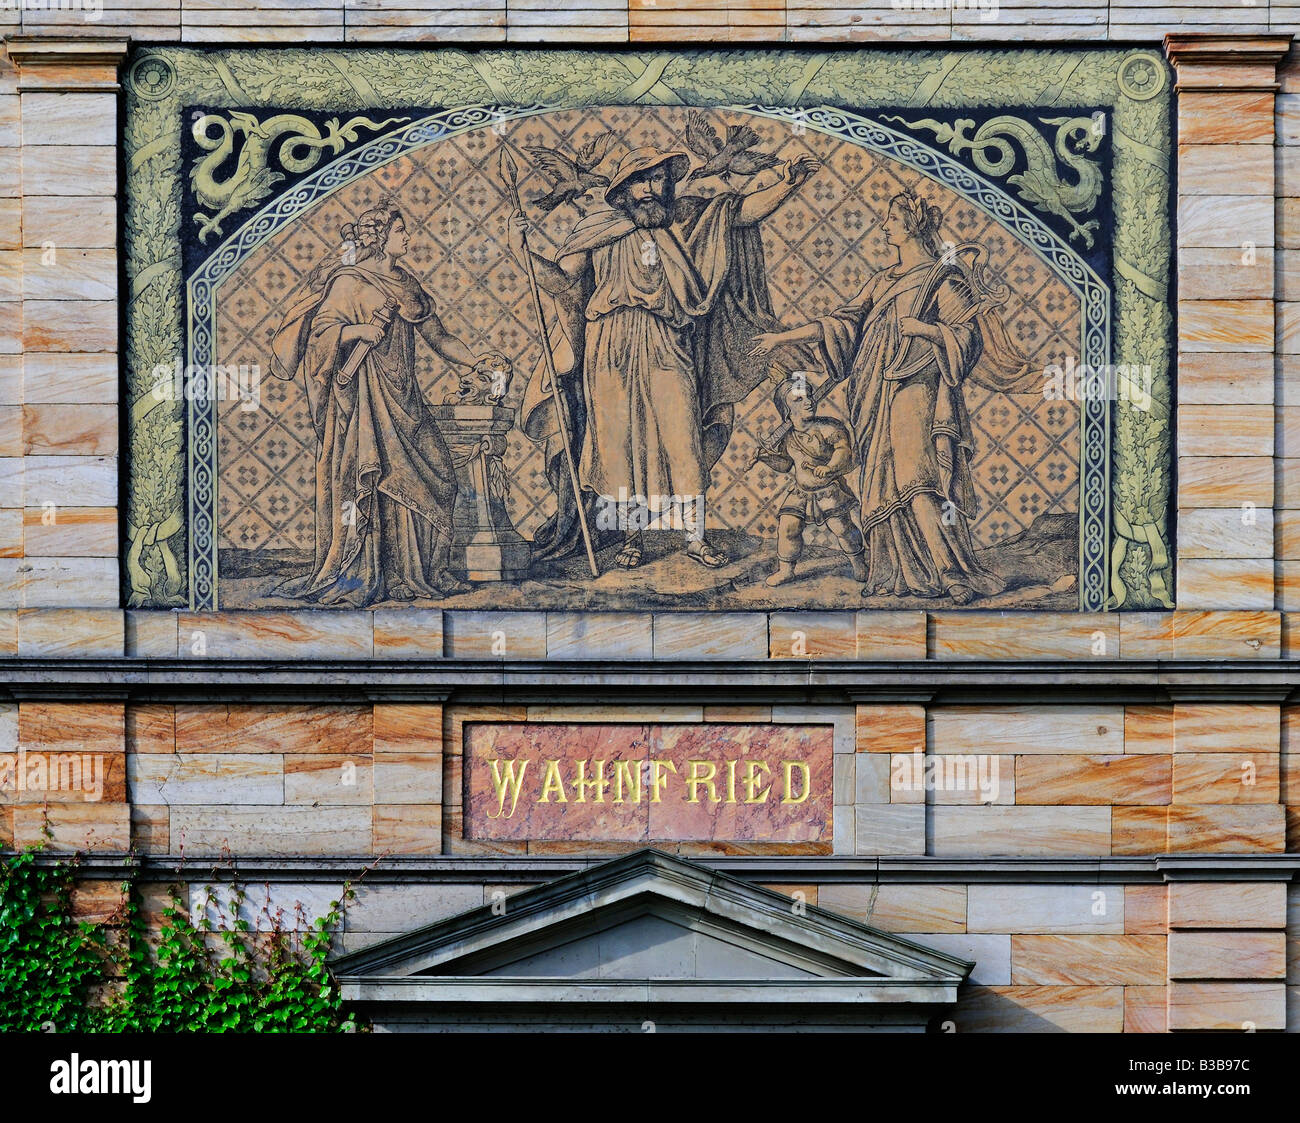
{"type": "Point", "coordinates": [1137, 804]}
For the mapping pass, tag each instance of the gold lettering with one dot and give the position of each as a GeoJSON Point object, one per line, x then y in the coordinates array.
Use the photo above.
{"type": "Point", "coordinates": [598, 782]}
{"type": "Point", "coordinates": [807, 784]}
{"type": "Point", "coordinates": [659, 778]}
{"type": "Point", "coordinates": [509, 782]}
{"type": "Point", "coordinates": [731, 781]}
{"type": "Point", "coordinates": [752, 781]}
{"type": "Point", "coordinates": [698, 777]}
{"type": "Point", "coordinates": [629, 771]}
{"type": "Point", "coordinates": [551, 782]}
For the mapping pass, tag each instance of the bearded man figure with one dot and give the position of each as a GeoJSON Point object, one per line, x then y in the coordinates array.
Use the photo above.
{"type": "Point", "coordinates": [662, 295]}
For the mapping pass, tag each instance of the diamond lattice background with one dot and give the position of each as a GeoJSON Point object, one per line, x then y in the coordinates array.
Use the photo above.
{"type": "Point", "coordinates": [822, 247]}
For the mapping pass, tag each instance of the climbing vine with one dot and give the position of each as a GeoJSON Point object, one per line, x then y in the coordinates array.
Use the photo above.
{"type": "Point", "coordinates": [217, 970]}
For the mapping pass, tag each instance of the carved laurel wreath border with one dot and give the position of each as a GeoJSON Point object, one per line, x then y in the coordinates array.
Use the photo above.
{"type": "Point", "coordinates": [161, 82]}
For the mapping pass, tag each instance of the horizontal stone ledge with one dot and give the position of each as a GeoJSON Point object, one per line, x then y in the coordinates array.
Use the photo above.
{"type": "Point", "coordinates": [779, 869]}
{"type": "Point", "coordinates": [1071, 682]}
{"type": "Point", "coordinates": [518, 995]}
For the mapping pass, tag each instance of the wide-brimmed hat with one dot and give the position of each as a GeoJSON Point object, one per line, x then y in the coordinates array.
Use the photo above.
{"type": "Point", "coordinates": [642, 160]}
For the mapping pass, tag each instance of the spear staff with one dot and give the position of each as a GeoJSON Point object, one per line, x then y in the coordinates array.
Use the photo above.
{"type": "Point", "coordinates": [509, 171]}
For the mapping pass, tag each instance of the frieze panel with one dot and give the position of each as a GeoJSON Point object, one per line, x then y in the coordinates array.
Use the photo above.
{"type": "Point", "coordinates": [859, 329]}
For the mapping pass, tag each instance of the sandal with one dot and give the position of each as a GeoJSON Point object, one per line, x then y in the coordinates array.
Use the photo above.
{"type": "Point", "coordinates": [629, 557]}
{"type": "Point", "coordinates": [448, 584]}
{"type": "Point", "coordinates": [708, 556]}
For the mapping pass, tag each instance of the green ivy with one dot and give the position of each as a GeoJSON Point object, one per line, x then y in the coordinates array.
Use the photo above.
{"type": "Point", "coordinates": [59, 973]}
{"type": "Point", "coordinates": [50, 963]}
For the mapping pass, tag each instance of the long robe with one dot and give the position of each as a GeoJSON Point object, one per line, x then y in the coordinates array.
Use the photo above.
{"type": "Point", "coordinates": [644, 430]}
{"type": "Point", "coordinates": [911, 426]}
{"type": "Point", "coordinates": [385, 482]}
{"type": "Point", "coordinates": [717, 277]}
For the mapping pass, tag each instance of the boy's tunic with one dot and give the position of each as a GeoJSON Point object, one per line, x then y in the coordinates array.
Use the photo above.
{"type": "Point", "coordinates": [811, 449]}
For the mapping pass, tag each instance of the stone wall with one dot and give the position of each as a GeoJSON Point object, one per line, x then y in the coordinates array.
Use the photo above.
{"type": "Point", "coordinates": [661, 21]}
{"type": "Point", "coordinates": [1134, 870]}
{"type": "Point", "coordinates": [1087, 890]}
{"type": "Point", "coordinates": [1063, 780]}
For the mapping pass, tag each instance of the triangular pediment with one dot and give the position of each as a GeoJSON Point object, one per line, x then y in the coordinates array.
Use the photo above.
{"type": "Point", "coordinates": [653, 928]}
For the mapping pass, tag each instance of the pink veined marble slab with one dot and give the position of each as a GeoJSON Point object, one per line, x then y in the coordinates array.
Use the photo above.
{"type": "Point", "coordinates": [648, 783]}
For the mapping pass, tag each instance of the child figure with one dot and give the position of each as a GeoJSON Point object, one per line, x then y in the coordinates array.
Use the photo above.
{"type": "Point", "coordinates": [819, 452]}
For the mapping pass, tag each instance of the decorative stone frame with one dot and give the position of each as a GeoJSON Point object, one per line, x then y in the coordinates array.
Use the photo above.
{"type": "Point", "coordinates": [1125, 503]}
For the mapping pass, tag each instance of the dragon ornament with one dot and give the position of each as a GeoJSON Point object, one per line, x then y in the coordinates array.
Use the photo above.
{"type": "Point", "coordinates": [300, 144]}
{"type": "Point", "coordinates": [992, 150]}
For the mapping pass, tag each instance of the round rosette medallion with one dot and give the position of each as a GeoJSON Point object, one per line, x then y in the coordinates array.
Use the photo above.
{"type": "Point", "coordinates": [1141, 77]}
{"type": "Point", "coordinates": [152, 78]}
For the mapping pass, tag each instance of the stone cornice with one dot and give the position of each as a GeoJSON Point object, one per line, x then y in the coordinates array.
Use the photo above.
{"type": "Point", "coordinates": [1218, 62]}
{"type": "Point", "coordinates": [783, 869]}
{"type": "Point", "coordinates": [789, 681]}
{"type": "Point", "coordinates": [65, 64]}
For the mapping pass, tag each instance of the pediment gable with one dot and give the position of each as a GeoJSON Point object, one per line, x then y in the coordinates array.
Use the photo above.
{"type": "Point", "coordinates": [653, 916]}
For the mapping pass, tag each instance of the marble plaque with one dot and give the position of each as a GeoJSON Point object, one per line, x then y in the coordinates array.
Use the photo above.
{"type": "Point", "coordinates": [648, 783]}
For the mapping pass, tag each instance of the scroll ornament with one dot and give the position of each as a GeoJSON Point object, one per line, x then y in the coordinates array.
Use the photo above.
{"type": "Point", "coordinates": [993, 152]}
{"type": "Point", "coordinates": [253, 178]}
{"type": "Point", "coordinates": [153, 536]}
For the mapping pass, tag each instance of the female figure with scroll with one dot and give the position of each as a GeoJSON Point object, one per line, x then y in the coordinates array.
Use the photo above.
{"type": "Point", "coordinates": [385, 482]}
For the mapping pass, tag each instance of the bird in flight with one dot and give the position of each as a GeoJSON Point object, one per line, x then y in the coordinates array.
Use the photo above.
{"type": "Point", "coordinates": [730, 157]}
{"type": "Point", "coordinates": [570, 178]}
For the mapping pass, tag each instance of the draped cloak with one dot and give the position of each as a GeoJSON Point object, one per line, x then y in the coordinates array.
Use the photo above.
{"type": "Point", "coordinates": [710, 294]}
{"type": "Point", "coordinates": [911, 427]}
{"type": "Point", "coordinates": [385, 482]}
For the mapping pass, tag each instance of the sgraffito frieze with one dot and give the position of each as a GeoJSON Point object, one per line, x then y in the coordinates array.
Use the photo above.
{"type": "Point", "coordinates": [732, 329]}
